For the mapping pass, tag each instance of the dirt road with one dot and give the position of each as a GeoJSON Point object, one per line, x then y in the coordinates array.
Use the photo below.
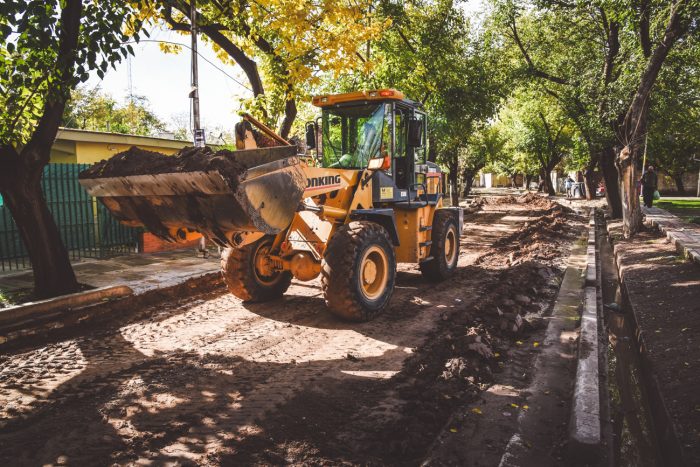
{"type": "Point", "coordinates": [211, 380]}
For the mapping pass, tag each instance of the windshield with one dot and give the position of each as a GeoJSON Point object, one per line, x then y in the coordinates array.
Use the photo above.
{"type": "Point", "coordinates": [352, 135]}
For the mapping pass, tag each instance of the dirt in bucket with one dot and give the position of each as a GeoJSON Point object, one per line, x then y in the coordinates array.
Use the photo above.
{"type": "Point", "coordinates": [137, 161]}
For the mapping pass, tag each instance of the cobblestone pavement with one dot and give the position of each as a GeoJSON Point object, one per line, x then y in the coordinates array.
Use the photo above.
{"type": "Point", "coordinates": [198, 381]}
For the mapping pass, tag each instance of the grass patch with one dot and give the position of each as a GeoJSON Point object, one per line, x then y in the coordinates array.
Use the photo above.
{"type": "Point", "coordinates": [686, 209]}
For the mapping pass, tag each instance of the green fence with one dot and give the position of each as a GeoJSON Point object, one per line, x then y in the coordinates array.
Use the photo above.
{"type": "Point", "coordinates": [88, 230]}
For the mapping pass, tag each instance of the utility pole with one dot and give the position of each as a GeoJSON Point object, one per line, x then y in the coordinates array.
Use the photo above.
{"type": "Point", "coordinates": [197, 132]}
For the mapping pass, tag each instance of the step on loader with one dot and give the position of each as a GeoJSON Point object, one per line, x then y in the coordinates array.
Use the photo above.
{"type": "Point", "coordinates": [362, 199]}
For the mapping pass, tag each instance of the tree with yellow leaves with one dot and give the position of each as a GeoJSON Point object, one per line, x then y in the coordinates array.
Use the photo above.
{"type": "Point", "coordinates": [281, 45]}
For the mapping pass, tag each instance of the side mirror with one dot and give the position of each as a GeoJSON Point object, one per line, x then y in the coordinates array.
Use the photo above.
{"type": "Point", "coordinates": [415, 133]}
{"type": "Point", "coordinates": [311, 135]}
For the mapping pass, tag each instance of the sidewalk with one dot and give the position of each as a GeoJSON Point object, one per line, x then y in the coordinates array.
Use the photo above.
{"type": "Point", "coordinates": [662, 293]}
{"type": "Point", "coordinates": [140, 272]}
{"type": "Point", "coordinates": [685, 236]}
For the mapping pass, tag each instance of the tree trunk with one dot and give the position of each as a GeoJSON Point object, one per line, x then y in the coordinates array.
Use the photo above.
{"type": "Point", "coordinates": [589, 179]}
{"type": "Point", "coordinates": [631, 211]}
{"type": "Point", "coordinates": [528, 180]}
{"type": "Point", "coordinates": [678, 179]}
{"type": "Point", "coordinates": [468, 176]}
{"type": "Point", "coordinates": [612, 185]}
{"type": "Point", "coordinates": [633, 128]}
{"type": "Point", "coordinates": [454, 182]}
{"type": "Point", "coordinates": [290, 114]}
{"type": "Point", "coordinates": [53, 273]}
{"type": "Point", "coordinates": [432, 148]}
{"type": "Point", "coordinates": [549, 186]}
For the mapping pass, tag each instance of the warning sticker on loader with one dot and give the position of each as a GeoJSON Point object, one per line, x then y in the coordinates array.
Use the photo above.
{"type": "Point", "coordinates": [386, 192]}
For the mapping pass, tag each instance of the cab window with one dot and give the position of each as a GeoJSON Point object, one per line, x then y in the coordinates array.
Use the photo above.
{"type": "Point", "coordinates": [353, 135]}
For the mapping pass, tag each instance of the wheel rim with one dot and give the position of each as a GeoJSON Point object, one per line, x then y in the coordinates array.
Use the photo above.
{"type": "Point", "coordinates": [374, 269]}
{"type": "Point", "coordinates": [263, 274]}
{"type": "Point", "coordinates": [450, 245]}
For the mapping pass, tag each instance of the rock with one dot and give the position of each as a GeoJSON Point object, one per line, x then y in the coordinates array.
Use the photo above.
{"type": "Point", "coordinates": [511, 322]}
{"type": "Point", "coordinates": [508, 302]}
{"type": "Point", "coordinates": [455, 368]}
{"type": "Point", "coordinates": [481, 348]}
{"type": "Point", "coordinates": [523, 299]}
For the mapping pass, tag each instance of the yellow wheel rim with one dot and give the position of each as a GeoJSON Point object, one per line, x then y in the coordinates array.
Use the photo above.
{"type": "Point", "coordinates": [263, 273]}
{"type": "Point", "coordinates": [374, 269]}
{"type": "Point", "coordinates": [450, 245]}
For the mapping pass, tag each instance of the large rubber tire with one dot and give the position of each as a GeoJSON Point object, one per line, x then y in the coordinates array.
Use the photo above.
{"type": "Point", "coordinates": [358, 271]}
{"type": "Point", "coordinates": [444, 249]}
{"type": "Point", "coordinates": [242, 278]}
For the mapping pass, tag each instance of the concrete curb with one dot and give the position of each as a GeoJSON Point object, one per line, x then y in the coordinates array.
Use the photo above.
{"type": "Point", "coordinates": [671, 226]}
{"type": "Point", "coordinates": [89, 297]}
{"type": "Point", "coordinates": [68, 313]}
{"type": "Point", "coordinates": [585, 426]}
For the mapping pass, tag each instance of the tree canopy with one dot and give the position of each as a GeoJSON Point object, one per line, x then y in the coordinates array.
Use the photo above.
{"type": "Point", "coordinates": [91, 109]}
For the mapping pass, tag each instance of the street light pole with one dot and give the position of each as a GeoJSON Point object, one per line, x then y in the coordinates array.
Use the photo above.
{"type": "Point", "coordinates": [197, 132]}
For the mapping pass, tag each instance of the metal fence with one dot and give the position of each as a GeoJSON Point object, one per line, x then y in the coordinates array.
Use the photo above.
{"type": "Point", "coordinates": [87, 229]}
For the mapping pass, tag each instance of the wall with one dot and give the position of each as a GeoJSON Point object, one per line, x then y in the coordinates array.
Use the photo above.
{"type": "Point", "coordinates": [149, 243]}
{"type": "Point", "coordinates": [89, 153]}
{"type": "Point", "coordinates": [690, 183]}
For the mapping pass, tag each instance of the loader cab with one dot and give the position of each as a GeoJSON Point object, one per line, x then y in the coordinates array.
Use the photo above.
{"type": "Point", "coordinates": [383, 125]}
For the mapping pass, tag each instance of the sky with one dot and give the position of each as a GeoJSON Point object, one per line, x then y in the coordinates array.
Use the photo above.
{"type": "Point", "coordinates": [164, 79]}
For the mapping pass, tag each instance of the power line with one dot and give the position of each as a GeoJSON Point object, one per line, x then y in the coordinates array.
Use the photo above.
{"type": "Point", "coordinates": [199, 54]}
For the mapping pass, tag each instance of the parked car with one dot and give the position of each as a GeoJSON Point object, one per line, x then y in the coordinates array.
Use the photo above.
{"type": "Point", "coordinates": [600, 191]}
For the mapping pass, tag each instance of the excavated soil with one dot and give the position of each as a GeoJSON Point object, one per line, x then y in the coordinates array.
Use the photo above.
{"type": "Point", "coordinates": [213, 381]}
{"type": "Point", "coordinates": [137, 161]}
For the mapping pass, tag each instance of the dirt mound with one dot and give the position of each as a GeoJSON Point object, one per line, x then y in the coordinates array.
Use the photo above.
{"type": "Point", "coordinates": [508, 199]}
{"type": "Point", "coordinates": [529, 198]}
{"type": "Point", "coordinates": [137, 161]}
{"type": "Point", "coordinates": [535, 200]}
{"type": "Point", "coordinates": [537, 240]}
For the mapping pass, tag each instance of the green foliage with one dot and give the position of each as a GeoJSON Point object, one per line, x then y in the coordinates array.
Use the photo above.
{"type": "Point", "coordinates": [434, 55]}
{"type": "Point", "coordinates": [30, 36]}
{"type": "Point", "coordinates": [97, 111]}
{"type": "Point", "coordinates": [539, 135]}
{"type": "Point", "coordinates": [674, 131]}
{"type": "Point", "coordinates": [487, 147]}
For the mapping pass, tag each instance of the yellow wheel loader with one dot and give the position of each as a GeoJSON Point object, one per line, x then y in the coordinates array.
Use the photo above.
{"type": "Point", "coordinates": [362, 199]}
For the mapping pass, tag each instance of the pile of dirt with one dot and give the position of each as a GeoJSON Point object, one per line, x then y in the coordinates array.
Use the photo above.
{"type": "Point", "coordinates": [537, 240]}
{"type": "Point", "coordinates": [528, 198]}
{"type": "Point", "coordinates": [535, 200]}
{"type": "Point", "coordinates": [508, 199]}
{"type": "Point", "coordinates": [137, 161]}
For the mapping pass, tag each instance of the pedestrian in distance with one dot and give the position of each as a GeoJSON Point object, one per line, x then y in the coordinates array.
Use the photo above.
{"type": "Point", "coordinates": [649, 184]}
{"type": "Point", "coordinates": [568, 184]}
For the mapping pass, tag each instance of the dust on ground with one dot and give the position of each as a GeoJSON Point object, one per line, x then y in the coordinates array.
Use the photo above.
{"type": "Point", "coordinates": [210, 380]}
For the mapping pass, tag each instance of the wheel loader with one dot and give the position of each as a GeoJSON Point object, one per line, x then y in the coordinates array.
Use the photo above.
{"type": "Point", "coordinates": [359, 200]}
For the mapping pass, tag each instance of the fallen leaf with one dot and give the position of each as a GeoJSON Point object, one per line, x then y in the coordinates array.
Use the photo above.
{"type": "Point", "coordinates": [476, 410]}
{"type": "Point", "coordinates": [685, 329]}
{"type": "Point", "coordinates": [515, 406]}
{"type": "Point", "coordinates": [453, 430]}
{"type": "Point", "coordinates": [525, 407]}
{"type": "Point", "coordinates": [519, 342]}
{"type": "Point", "coordinates": [535, 344]}
{"type": "Point", "coordinates": [497, 355]}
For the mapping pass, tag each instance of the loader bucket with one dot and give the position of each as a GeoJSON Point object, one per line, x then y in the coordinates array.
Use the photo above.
{"type": "Point", "coordinates": [263, 197]}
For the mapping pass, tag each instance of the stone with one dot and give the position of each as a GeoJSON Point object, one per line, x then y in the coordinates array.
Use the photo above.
{"type": "Point", "coordinates": [523, 299]}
